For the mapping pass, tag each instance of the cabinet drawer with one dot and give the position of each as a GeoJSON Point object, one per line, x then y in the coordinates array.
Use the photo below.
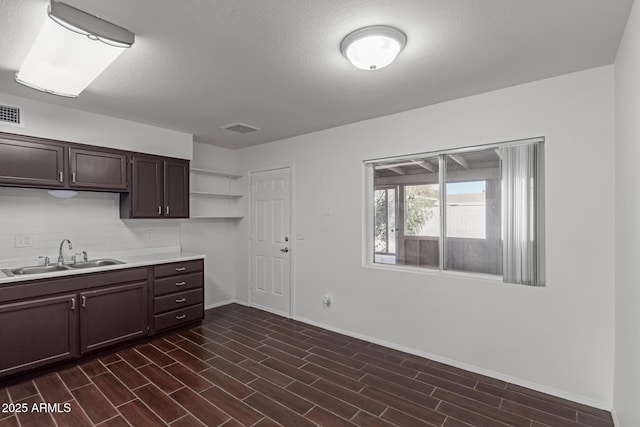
{"type": "Point", "coordinates": [178, 268]}
{"type": "Point", "coordinates": [178, 283]}
{"type": "Point", "coordinates": [178, 317]}
{"type": "Point", "coordinates": [177, 300]}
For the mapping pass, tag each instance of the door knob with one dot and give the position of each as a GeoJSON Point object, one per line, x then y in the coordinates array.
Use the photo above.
{"type": "Point", "coordinates": [285, 250]}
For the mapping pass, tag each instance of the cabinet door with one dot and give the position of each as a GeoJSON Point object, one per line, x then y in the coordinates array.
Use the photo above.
{"type": "Point", "coordinates": [98, 169]}
{"type": "Point", "coordinates": [176, 188]}
{"type": "Point", "coordinates": [37, 332]}
{"type": "Point", "coordinates": [146, 187]}
{"type": "Point", "coordinates": [31, 164]}
{"type": "Point", "coordinates": [112, 315]}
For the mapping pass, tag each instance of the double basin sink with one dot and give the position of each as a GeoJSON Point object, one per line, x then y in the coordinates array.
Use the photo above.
{"type": "Point", "coordinates": [39, 269]}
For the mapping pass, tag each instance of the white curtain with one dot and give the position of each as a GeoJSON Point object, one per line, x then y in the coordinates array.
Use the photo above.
{"type": "Point", "coordinates": [522, 214]}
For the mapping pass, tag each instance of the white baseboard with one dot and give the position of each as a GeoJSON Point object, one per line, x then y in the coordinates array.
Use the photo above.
{"type": "Point", "coordinates": [534, 386]}
{"type": "Point", "coordinates": [225, 302]}
{"type": "Point", "coordinates": [616, 423]}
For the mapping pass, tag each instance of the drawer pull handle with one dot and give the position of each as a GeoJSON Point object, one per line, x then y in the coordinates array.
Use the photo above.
{"type": "Point", "coordinates": [181, 283]}
{"type": "Point", "coordinates": [181, 269]}
{"type": "Point", "coordinates": [184, 316]}
{"type": "Point", "coordinates": [181, 300]}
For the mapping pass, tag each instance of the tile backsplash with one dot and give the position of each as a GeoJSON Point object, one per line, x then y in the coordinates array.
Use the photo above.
{"type": "Point", "coordinates": [91, 220]}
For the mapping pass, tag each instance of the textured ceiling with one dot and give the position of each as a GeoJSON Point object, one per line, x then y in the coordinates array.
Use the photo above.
{"type": "Point", "coordinates": [276, 64]}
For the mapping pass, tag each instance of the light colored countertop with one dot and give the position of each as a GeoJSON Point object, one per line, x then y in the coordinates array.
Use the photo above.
{"type": "Point", "coordinates": [136, 258]}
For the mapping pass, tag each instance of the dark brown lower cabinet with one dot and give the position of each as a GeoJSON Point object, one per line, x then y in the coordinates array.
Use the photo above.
{"type": "Point", "coordinates": [37, 332]}
{"type": "Point", "coordinates": [112, 315]}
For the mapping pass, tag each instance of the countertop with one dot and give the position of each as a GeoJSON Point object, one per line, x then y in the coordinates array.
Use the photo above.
{"type": "Point", "coordinates": [136, 258]}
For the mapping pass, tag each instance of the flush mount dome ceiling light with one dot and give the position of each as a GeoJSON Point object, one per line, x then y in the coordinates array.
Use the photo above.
{"type": "Point", "coordinates": [72, 49]}
{"type": "Point", "coordinates": [372, 48]}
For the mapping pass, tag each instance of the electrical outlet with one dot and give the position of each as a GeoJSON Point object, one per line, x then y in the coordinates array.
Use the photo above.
{"type": "Point", "coordinates": [23, 241]}
{"type": "Point", "coordinates": [326, 300]}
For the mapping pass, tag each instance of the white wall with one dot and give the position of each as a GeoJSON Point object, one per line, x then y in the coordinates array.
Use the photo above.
{"type": "Point", "coordinates": [627, 158]}
{"type": "Point", "coordinates": [91, 220]}
{"type": "Point", "coordinates": [557, 339]}
{"type": "Point", "coordinates": [66, 124]}
{"type": "Point", "coordinates": [216, 238]}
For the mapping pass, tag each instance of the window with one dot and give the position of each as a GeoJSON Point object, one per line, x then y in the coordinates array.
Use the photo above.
{"type": "Point", "coordinates": [477, 210]}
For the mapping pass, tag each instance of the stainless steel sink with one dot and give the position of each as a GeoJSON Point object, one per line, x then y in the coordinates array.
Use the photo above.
{"type": "Point", "coordinates": [39, 269]}
{"type": "Point", "coordinates": [35, 269]}
{"type": "Point", "coordinates": [95, 263]}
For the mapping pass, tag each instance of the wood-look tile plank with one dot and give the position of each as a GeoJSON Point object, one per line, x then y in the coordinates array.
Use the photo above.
{"type": "Point", "coordinates": [115, 422]}
{"type": "Point", "coordinates": [133, 358]}
{"type": "Point", "coordinates": [73, 378]}
{"type": "Point", "coordinates": [34, 418]}
{"type": "Point", "coordinates": [420, 412]}
{"type": "Point", "coordinates": [227, 383]}
{"type": "Point", "coordinates": [129, 376]}
{"type": "Point", "coordinates": [256, 326]}
{"type": "Point", "coordinates": [267, 422]}
{"type": "Point", "coordinates": [356, 399]}
{"type": "Point", "coordinates": [326, 418]}
{"type": "Point", "coordinates": [10, 421]}
{"type": "Point", "coordinates": [75, 417]}
{"type": "Point", "coordinates": [280, 355]}
{"type": "Point", "coordinates": [93, 368]}
{"type": "Point", "coordinates": [248, 333]}
{"type": "Point", "coordinates": [391, 367]}
{"type": "Point", "coordinates": [337, 357]}
{"type": "Point", "coordinates": [315, 342]}
{"type": "Point", "coordinates": [301, 345]}
{"type": "Point", "coordinates": [535, 414]}
{"type": "Point", "coordinates": [97, 407]}
{"type": "Point", "coordinates": [335, 366]}
{"type": "Point", "coordinates": [441, 373]}
{"type": "Point", "coordinates": [249, 352]}
{"type": "Point", "coordinates": [188, 377]}
{"type": "Point", "coordinates": [480, 396]}
{"type": "Point", "coordinates": [276, 411]}
{"type": "Point", "coordinates": [137, 414]}
{"type": "Point", "coordinates": [200, 407]}
{"type": "Point", "coordinates": [283, 396]}
{"type": "Point", "coordinates": [323, 399]}
{"type": "Point", "coordinates": [400, 418]}
{"type": "Point", "coordinates": [113, 389]}
{"type": "Point", "coordinates": [365, 419]}
{"type": "Point", "coordinates": [227, 353]}
{"type": "Point", "coordinates": [452, 422]}
{"type": "Point", "coordinates": [163, 345]}
{"type": "Point", "coordinates": [290, 371]}
{"type": "Point", "coordinates": [398, 390]}
{"type": "Point", "coordinates": [232, 406]}
{"type": "Point", "coordinates": [163, 380]}
{"type": "Point", "coordinates": [412, 384]}
{"type": "Point", "coordinates": [52, 389]}
{"type": "Point", "coordinates": [163, 406]}
{"type": "Point", "coordinates": [594, 421]}
{"type": "Point", "coordinates": [470, 417]}
{"type": "Point", "coordinates": [22, 390]}
{"type": "Point", "coordinates": [233, 370]}
{"type": "Point", "coordinates": [188, 360]}
{"type": "Point", "coordinates": [197, 350]}
{"type": "Point", "coordinates": [155, 355]}
{"type": "Point", "coordinates": [463, 372]}
{"type": "Point", "coordinates": [187, 421]}
{"type": "Point", "coordinates": [266, 372]}
{"type": "Point", "coordinates": [524, 399]}
{"type": "Point", "coordinates": [286, 348]}
{"type": "Point", "coordinates": [481, 408]}
{"type": "Point", "coordinates": [110, 358]}
{"type": "Point", "coordinates": [332, 376]}
{"type": "Point", "coordinates": [195, 338]}
{"type": "Point", "coordinates": [374, 353]}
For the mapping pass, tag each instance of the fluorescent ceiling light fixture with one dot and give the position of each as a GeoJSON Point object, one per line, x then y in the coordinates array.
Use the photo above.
{"type": "Point", "coordinates": [372, 48]}
{"type": "Point", "coordinates": [63, 194]}
{"type": "Point", "coordinates": [72, 49]}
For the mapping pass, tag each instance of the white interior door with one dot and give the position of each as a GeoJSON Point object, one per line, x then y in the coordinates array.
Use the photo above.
{"type": "Point", "coordinates": [271, 241]}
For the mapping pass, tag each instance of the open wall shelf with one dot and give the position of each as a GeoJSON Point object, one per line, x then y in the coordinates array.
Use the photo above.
{"type": "Point", "coordinates": [214, 194]}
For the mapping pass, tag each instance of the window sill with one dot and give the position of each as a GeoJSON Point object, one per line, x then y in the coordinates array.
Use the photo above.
{"type": "Point", "coordinates": [493, 278]}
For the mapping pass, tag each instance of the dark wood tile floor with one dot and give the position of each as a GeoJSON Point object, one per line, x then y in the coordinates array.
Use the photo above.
{"type": "Point", "coordinates": [247, 367]}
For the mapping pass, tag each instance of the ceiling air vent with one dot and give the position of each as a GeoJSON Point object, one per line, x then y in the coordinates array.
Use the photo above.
{"type": "Point", "coordinates": [10, 115]}
{"type": "Point", "coordinates": [240, 128]}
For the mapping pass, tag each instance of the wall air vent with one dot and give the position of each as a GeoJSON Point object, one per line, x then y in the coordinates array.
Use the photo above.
{"type": "Point", "coordinates": [239, 128]}
{"type": "Point", "coordinates": [10, 115]}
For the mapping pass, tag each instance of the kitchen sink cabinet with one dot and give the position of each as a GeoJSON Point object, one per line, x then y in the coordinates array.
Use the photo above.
{"type": "Point", "coordinates": [112, 315]}
{"type": "Point", "coordinates": [29, 162]}
{"type": "Point", "coordinates": [37, 332]}
{"type": "Point", "coordinates": [159, 188]}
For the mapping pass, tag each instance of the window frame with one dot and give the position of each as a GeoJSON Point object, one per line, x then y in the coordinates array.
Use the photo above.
{"type": "Point", "coordinates": [369, 222]}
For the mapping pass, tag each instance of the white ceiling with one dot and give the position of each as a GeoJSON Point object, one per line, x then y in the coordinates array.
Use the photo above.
{"type": "Point", "coordinates": [276, 64]}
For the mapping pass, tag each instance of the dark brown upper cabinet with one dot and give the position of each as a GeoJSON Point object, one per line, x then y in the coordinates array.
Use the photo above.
{"type": "Point", "coordinates": [98, 169]}
{"type": "Point", "coordinates": [26, 162]}
{"type": "Point", "coordinates": [41, 163]}
{"type": "Point", "coordinates": [159, 188]}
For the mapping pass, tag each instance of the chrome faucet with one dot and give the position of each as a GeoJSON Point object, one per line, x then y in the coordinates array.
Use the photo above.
{"type": "Point", "coordinates": [60, 256]}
